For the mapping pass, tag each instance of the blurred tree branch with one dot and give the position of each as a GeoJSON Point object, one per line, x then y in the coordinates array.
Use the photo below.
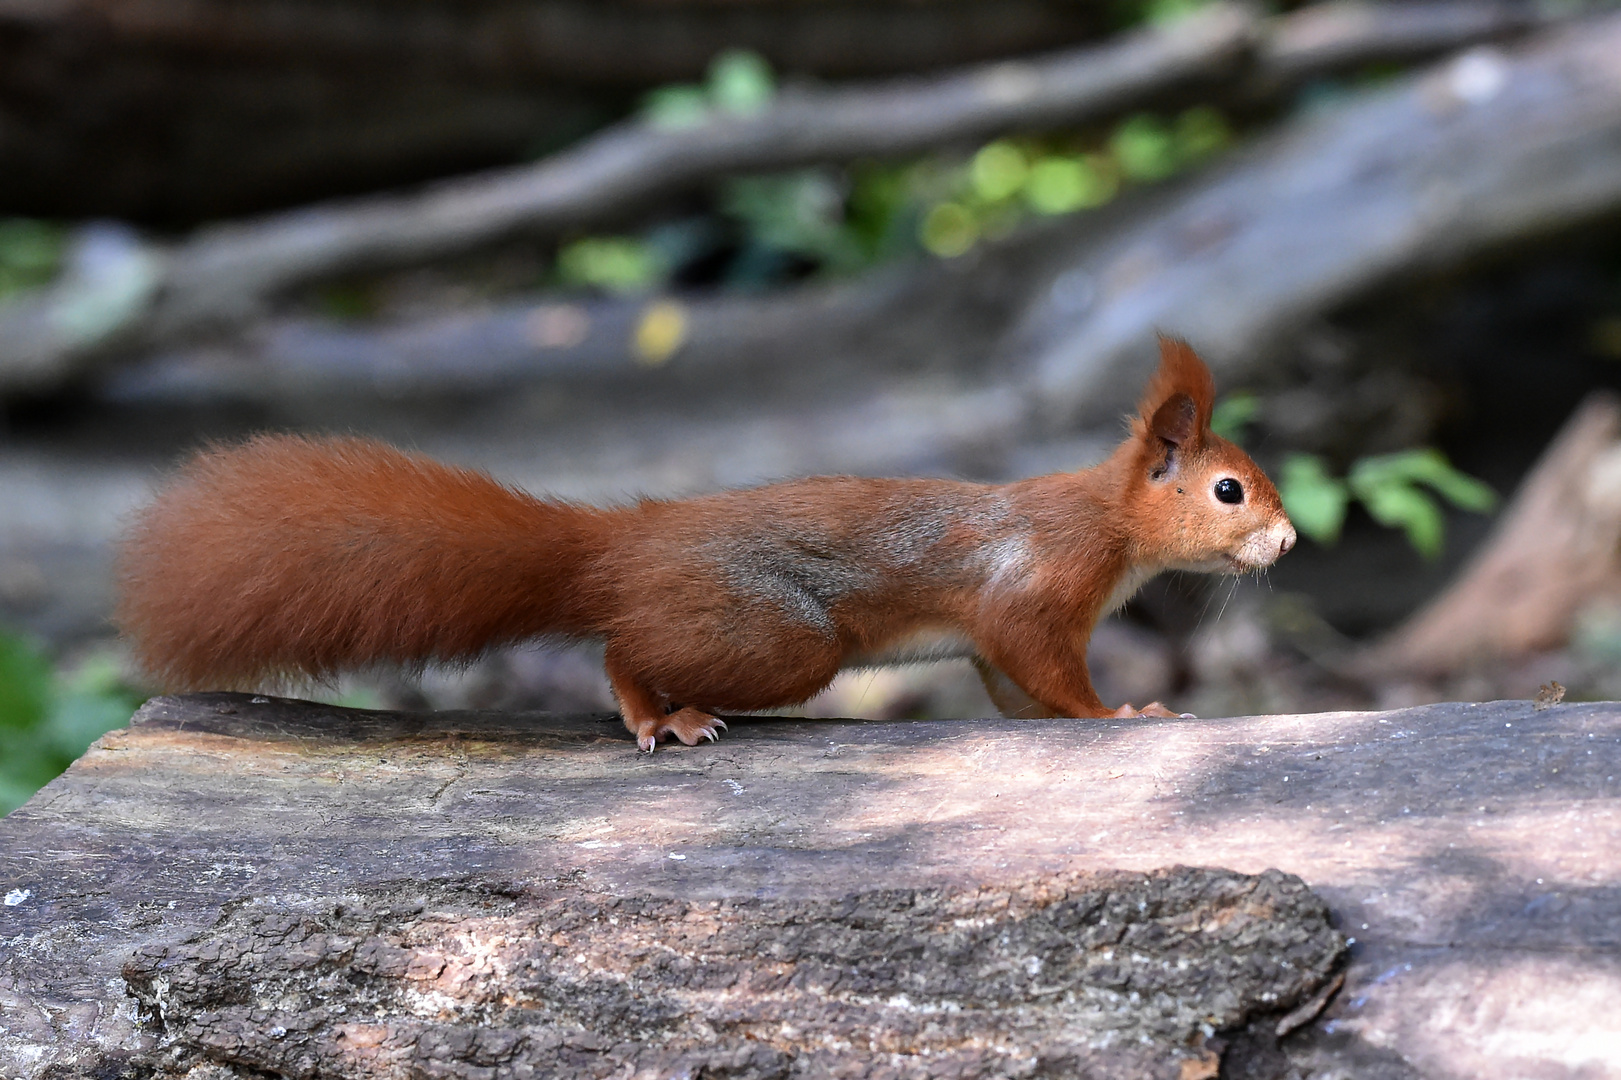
{"type": "Point", "coordinates": [1484, 150]}
{"type": "Point", "coordinates": [124, 295]}
{"type": "Point", "coordinates": [1550, 559]}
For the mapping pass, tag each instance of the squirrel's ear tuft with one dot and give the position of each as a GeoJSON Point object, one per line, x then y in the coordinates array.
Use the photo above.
{"type": "Point", "coordinates": [1177, 404]}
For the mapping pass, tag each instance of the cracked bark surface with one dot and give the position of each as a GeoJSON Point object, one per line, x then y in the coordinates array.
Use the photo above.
{"type": "Point", "coordinates": [239, 886]}
{"type": "Point", "coordinates": [1091, 974]}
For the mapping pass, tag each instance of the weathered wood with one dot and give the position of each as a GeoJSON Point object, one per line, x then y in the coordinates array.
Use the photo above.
{"type": "Point", "coordinates": [1333, 205]}
{"type": "Point", "coordinates": [1552, 555]}
{"type": "Point", "coordinates": [179, 113]}
{"type": "Point", "coordinates": [224, 275]}
{"type": "Point", "coordinates": [1343, 34]}
{"type": "Point", "coordinates": [920, 316]}
{"type": "Point", "coordinates": [1489, 149]}
{"type": "Point", "coordinates": [297, 887]}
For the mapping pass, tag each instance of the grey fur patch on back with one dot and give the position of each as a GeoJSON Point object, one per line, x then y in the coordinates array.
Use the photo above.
{"type": "Point", "coordinates": [801, 574]}
{"type": "Point", "coordinates": [805, 569]}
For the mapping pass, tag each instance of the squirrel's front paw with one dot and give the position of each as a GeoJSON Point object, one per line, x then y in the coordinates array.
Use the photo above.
{"type": "Point", "coordinates": [689, 725]}
{"type": "Point", "coordinates": [1154, 709]}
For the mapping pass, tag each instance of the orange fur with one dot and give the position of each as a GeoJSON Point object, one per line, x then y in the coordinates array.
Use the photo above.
{"type": "Point", "coordinates": [290, 557]}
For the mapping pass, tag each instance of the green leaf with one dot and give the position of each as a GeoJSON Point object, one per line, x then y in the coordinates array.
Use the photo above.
{"type": "Point", "coordinates": [948, 230]}
{"type": "Point", "coordinates": [741, 82]}
{"type": "Point", "coordinates": [1399, 504]}
{"type": "Point", "coordinates": [998, 171]}
{"type": "Point", "coordinates": [80, 719]}
{"type": "Point", "coordinates": [1430, 466]}
{"type": "Point", "coordinates": [1200, 132]}
{"type": "Point", "coordinates": [60, 716]}
{"type": "Point", "coordinates": [619, 264]}
{"type": "Point", "coordinates": [1314, 500]}
{"type": "Point", "coordinates": [25, 685]}
{"type": "Point", "coordinates": [1061, 185]}
{"type": "Point", "coordinates": [31, 247]}
{"type": "Point", "coordinates": [800, 212]}
{"type": "Point", "coordinates": [13, 793]}
{"type": "Point", "coordinates": [1233, 414]}
{"type": "Point", "coordinates": [1160, 12]}
{"type": "Point", "coordinates": [676, 107]}
{"type": "Point", "coordinates": [1145, 148]}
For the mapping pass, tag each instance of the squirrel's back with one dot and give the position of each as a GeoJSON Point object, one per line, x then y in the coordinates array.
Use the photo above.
{"type": "Point", "coordinates": [291, 557]}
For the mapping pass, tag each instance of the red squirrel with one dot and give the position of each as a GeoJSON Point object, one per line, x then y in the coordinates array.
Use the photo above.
{"type": "Point", "coordinates": [298, 558]}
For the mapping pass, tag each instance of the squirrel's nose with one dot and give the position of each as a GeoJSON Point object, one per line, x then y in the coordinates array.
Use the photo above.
{"type": "Point", "coordinates": [1287, 541]}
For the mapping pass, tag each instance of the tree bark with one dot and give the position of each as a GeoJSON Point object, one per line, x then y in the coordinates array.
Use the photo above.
{"type": "Point", "coordinates": [1487, 150]}
{"type": "Point", "coordinates": [287, 888]}
{"type": "Point", "coordinates": [225, 275]}
{"type": "Point", "coordinates": [1554, 553]}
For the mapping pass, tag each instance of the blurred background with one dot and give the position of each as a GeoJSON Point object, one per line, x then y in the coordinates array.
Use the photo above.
{"type": "Point", "coordinates": [605, 248]}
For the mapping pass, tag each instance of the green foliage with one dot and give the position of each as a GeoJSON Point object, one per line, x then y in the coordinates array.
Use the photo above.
{"type": "Point", "coordinates": [1145, 148]}
{"type": "Point", "coordinates": [799, 213]}
{"type": "Point", "coordinates": [47, 720]}
{"type": "Point", "coordinates": [1063, 184]}
{"type": "Point", "coordinates": [1232, 416]}
{"type": "Point", "coordinates": [739, 82]}
{"type": "Point", "coordinates": [30, 254]}
{"type": "Point", "coordinates": [1154, 12]}
{"type": "Point", "coordinates": [1392, 487]}
{"type": "Point", "coordinates": [880, 214]}
{"type": "Point", "coordinates": [1314, 499]}
{"type": "Point", "coordinates": [840, 221]}
{"type": "Point", "coordinates": [618, 264]}
{"type": "Point", "coordinates": [1165, 11]}
{"type": "Point", "coordinates": [1009, 178]}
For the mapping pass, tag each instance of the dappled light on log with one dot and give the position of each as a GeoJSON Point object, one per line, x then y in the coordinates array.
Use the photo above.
{"type": "Point", "coordinates": [390, 881]}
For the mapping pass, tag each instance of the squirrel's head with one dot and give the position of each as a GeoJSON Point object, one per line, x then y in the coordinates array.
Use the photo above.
{"type": "Point", "coordinates": [1197, 502]}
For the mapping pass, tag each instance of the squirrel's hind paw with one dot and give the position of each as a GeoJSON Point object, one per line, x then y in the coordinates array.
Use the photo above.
{"type": "Point", "coordinates": [689, 725]}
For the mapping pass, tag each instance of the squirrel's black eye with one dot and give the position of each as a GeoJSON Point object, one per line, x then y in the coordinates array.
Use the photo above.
{"type": "Point", "coordinates": [1229, 490]}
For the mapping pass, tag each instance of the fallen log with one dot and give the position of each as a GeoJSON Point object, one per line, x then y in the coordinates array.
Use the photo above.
{"type": "Point", "coordinates": [1333, 206]}
{"type": "Point", "coordinates": [915, 318]}
{"type": "Point", "coordinates": [1553, 556]}
{"type": "Point", "coordinates": [252, 885]}
{"type": "Point", "coordinates": [1489, 149]}
{"type": "Point", "coordinates": [225, 275]}
{"type": "Point", "coordinates": [1342, 35]}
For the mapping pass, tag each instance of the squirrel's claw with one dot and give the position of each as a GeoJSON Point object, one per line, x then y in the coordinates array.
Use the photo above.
{"type": "Point", "coordinates": [688, 725]}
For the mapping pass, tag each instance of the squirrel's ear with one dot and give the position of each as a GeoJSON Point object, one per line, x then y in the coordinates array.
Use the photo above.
{"type": "Point", "coordinates": [1176, 420]}
{"type": "Point", "coordinates": [1177, 404]}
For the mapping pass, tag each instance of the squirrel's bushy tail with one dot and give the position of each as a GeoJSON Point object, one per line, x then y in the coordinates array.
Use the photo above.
{"type": "Point", "coordinates": [288, 558]}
